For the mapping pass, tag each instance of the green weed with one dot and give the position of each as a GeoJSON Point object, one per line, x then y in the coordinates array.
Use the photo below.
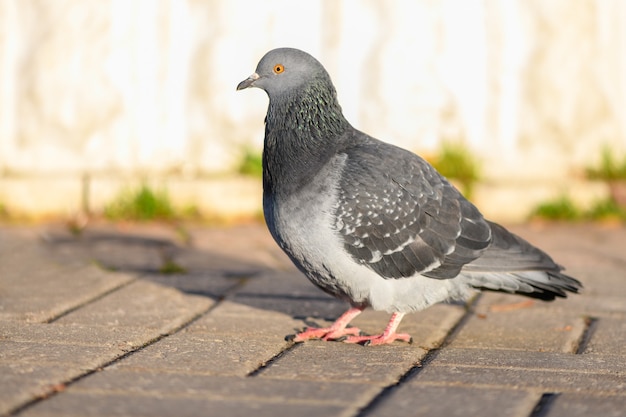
{"type": "Point", "coordinates": [142, 203]}
{"type": "Point", "coordinates": [170, 267]}
{"type": "Point", "coordinates": [606, 210]}
{"type": "Point", "coordinates": [562, 208]}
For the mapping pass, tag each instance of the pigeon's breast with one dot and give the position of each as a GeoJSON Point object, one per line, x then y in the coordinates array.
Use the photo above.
{"type": "Point", "coordinates": [303, 225]}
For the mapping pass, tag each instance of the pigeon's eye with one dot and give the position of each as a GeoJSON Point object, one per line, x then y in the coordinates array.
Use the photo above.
{"type": "Point", "coordinates": [278, 68]}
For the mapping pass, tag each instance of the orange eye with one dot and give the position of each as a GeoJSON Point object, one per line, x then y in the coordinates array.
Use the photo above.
{"type": "Point", "coordinates": [278, 68]}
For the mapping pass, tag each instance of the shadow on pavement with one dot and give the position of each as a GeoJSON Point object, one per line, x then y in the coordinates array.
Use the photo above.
{"type": "Point", "coordinates": [241, 263]}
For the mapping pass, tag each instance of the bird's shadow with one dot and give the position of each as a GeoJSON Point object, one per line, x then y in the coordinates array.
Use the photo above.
{"type": "Point", "coordinates": [220, 266]}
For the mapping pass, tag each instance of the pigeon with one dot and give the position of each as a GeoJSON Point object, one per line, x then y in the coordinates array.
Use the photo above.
{"type": "Point", "coordinates": [371, 223]}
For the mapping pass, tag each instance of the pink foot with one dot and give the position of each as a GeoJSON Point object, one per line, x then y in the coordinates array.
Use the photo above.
{"type": "Point", "coordinates": [388, 336]}
{"type": "Point", "coordinates": [336, 331]}
{"type": "Point", "coordinates": [325, 333]}
{"type": "Point", "coordinates": [380, 339]}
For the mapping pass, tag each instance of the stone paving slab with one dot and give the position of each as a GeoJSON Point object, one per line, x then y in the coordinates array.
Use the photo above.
{"type": "Point", "coordinates": [456, 401]}
{"type": "Point", "coordinates": [141, 304]}
{"type": "Point", "coordinates": [21, 383]}
{"type": "Point", "coordinates": [218, 354]}
{"type": "Point", "coordinates": [221, 393]}
{"type": "Point", "coordinates": [91, 325]}
{"type": "Point", "coordinates": [114, 405]}
{"type": "Point", "coordinates": [344, 362]}
{"type": "Point", "coordinates": [118, 380]}
{"type": "Point", "coordinates": [89, 357]}
{"type": "Point", "coordinates": [515, 378]}
{"type": "Point", "coordinates": [583, 405]}
{"type": "Point", "coordinates": [37, 287]}
{"type": "Point", "coordinates": [244, 321]}
{"type": "Point", "coordinates": [540, 361]}
{"type": "Point", "coordinates": [515, 322]}
{"type": "Point", "coordinates": [84, 335]}
{"type": "Point", "coordinates": [609, 337]}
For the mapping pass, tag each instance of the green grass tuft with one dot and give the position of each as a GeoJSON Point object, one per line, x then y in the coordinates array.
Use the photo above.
{"type": "Point", "coordinates": [142, 203]}
{"type": "Point", "coordinates": [170, 267]}
{"type": "Point", "coordinates": [607, 210]}
{"type": "Point", "coordinates": [563, 208]}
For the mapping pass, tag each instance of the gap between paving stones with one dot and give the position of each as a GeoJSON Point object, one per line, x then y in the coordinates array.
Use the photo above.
{"type": "Point", "coordinates": [82, 304]}
{"type": "Point", "coordinates": [290, 347]}
{"type": "Point", "coordinates": [543, 405]}
{"type": "Point", "coordinates": [591, 324]}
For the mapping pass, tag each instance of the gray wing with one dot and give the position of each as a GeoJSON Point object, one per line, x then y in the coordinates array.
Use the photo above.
{"type": "Point", "coordinates": [403, 217]}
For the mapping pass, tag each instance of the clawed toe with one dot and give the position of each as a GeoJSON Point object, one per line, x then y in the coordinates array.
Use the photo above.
{"type": "Point", "coordinates": [381, 339]}
{"type": "Point", "coordinates": [326, 333]}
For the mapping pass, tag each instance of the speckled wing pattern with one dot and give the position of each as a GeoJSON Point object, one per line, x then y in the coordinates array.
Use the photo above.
{"type": "Point", "coordinates": [404, 218]}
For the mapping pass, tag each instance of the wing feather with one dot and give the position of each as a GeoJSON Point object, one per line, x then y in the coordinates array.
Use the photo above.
{"type": "Point", "coordinates": [405, 219]}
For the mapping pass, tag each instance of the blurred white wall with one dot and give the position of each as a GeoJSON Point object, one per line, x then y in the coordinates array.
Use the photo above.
{"type": "Point", "coordinates": [123, 87]}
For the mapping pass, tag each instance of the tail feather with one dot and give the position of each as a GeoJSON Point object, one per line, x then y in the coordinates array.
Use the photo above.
{"type": "Point", "coordinates": [513, 265]}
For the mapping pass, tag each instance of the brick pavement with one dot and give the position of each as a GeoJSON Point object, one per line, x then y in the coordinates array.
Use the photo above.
{"type": "Point", "coordinates": [90, 325]}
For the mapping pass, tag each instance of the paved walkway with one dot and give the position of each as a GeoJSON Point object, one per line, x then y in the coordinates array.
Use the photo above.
{"type": "Point", "coordinates": [92, 325]}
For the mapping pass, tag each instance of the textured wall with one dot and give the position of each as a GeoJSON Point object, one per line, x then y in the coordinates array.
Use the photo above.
{"type": "Point", "coordinates": [127, 86]}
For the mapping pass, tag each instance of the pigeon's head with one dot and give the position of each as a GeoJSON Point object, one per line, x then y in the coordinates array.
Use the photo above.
{"type": "Point", "coordinates": [285, 71]}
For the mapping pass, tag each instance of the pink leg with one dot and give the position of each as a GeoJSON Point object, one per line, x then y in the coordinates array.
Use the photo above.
{"type": "Point", "coordinates": [337, 330]}
{"type": "Point", "coordinates": [388, 336]}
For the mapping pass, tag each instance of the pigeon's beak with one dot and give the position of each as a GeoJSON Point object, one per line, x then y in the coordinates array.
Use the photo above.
{"type": "Point", "coordinates": [248, 82]}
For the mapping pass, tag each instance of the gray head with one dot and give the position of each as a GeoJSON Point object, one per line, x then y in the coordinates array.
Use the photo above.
{"type": "Point", "coordinates": [285, 70]}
